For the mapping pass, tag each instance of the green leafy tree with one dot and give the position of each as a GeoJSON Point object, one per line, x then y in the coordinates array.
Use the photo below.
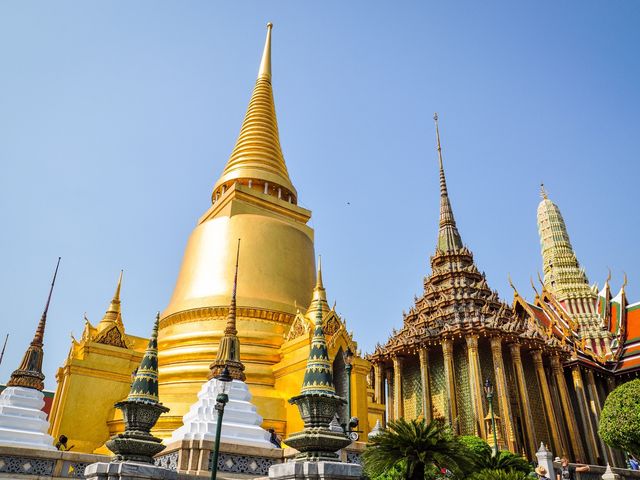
{"type": "Point", "coordinates": [424, 448]}
{"type": "Point", "coordinates": [620, 420]}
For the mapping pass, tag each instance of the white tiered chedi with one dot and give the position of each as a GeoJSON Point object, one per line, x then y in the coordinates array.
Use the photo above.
{"type": "Point", "coordinates": [22, 421]}
{"type": "Point", "coordinates": [240, 423]}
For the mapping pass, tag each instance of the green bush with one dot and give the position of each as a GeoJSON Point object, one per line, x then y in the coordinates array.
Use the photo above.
{"type": "Point", "coordinates": [620, 420]}
{"type": "Point", "coordinates": [416, 449]}
{"type": "Point", "coordinates": [488, 474]}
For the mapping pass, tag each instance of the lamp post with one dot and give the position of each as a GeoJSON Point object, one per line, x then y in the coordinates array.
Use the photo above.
{"type": "Point", "coordinates": [488, 390]}
{"type": "Point", "coordinates": [348, 365]}
{"type": "Point", "coordinates": [222, 388]}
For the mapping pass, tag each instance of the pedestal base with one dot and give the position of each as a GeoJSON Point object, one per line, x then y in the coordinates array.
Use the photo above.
{"type": "Point", "coordinates": [240, 424]}
{"type": "Point", "coordinates": [315, 471]}
{"type": "Point", "coordinates": [22, 421]}
{"type": "Point", "coordinates": [127, 471]}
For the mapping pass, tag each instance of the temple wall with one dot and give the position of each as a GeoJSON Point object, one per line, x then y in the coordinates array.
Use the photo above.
{"type": "Point", "coordinates": [463, 390]}
{"type": "Point", "coordinates": [437, 384]}
{"type": "Point", "coordinates": [412, 389]}
{"type": "Point", "coordinates": [537, 405]}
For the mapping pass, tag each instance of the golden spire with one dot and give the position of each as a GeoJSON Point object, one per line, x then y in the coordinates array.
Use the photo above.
{"type": "Point", "coordinates": [115, 302]}
{"type": "Point", "coordinates": [229, 347]}
{"type": "Point", "coordinates": [265, 63]}
{"type": "Point", "coordinates": [231, 317]}
{"type": "Point", "coordinates": [319, 299]}
{"type": "Point", "coordinates": [448, 237]}
{"type": "Point", "coordinates": [114, 312]}
{"type": "Point", "coordinates": [257, 155]}
{"type": "Point", "coordinates": [29, 373]}
{"type": "Point", "coordinates": [543, 192]}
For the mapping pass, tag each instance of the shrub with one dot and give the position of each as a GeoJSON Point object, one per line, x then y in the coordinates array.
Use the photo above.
{"type": "Point", "coordinates": [620, 420]}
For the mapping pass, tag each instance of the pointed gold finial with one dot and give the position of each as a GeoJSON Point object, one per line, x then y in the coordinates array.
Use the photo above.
{"type": "Point", "coordinates": [115, 301]}
{"type": "Point", "coordinates": [116, 296]}
{"type": "Point", "coordinates": [231, 317]}
{"type": "Point", "coordinates": [543, 192]}
{"type": "Point", "coordinates": [29, 373]}
{"type": "Point", "coordinates": [624, 281]}
{"type": "Point", "coordinates": [533, 285]}
{"type": "Point", "coordinates": [319, 283]}
{"type": "Point", "coordinates": [229, 348]}
{"type": "Point", "coordinates": [265, 64]}
{"type": "Point", "coordinates": [606, 282]}
{"type": "Point", "coordinates": [448, 235]}
{"type": "Point", "coordinates": [443, 183]}
{"type": "Point", "coordinates": [511, 283]}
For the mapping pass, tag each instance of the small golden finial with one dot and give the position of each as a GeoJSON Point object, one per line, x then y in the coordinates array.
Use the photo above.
{"type": "Point", "coordinates": [265, 63]}
{"type": "Point", "coordinates": [540, 279]}
{"type": "Point", "coordinates": [319, 283]}
{"type": "Point", "coordinates": [533, 285]}
{"type": "Point", "coordinates": [606, 282]}
{"type": "Point", "coordinates": [543, 192]}
{"type": "Point", "coordinates": [511, 283]}
{"type": "Point", "coordinates": [116, 296]}
{"type": "Point", "coordinates": [624, 281]}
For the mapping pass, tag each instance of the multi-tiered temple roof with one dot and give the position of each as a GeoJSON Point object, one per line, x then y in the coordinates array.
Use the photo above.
{"type": "Point", "coordinates": [456, 299]}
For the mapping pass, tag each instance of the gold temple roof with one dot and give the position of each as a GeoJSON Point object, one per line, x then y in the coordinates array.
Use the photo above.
{"type": "Point", "coordinates": [257, 154]}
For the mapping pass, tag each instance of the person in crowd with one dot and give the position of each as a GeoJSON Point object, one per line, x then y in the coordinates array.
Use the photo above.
{"type": "Point", "coordinates": [62, 444]}
{"type": "Point", "coordinates": [568, 472]}
{"type": "Point", "coordinates": [541, 473]}
{"type": "Point", "coordinates": [274, 438]}
{"type": "Point", "coordinates": [633, 463]}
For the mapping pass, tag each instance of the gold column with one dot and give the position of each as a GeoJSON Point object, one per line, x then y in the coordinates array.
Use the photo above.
{"type": "Point", "coordinates": [567, 409]}
{"type": "Point", "coordinates": [596, 409]}
{"type": "Point", "coordinates": [524, 399]}
{"type": "Point", "coordinates": [397, 387]}
{"type": "Point", "coordinates": [426, 390]}
{"type": "Point", "coordinates": [450, 383]}
{"type": "Point", "coordinates": [558, 447]}
{"type": "Point", "coordinates": [503, 397]}
{"type": "Point", "coordinates": [578, 385]}
{"type": "Point", "coordinates": [390, 395]}
{"type": "Point", "coordinates": [475, 384]}
{"type": "Point", "coordinates": [378, 386]}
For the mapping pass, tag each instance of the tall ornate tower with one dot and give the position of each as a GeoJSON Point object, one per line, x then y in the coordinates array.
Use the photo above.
{"type": "Point", "coordinates": [564, 277]}
{"type": "Point", "coordinates": [253, 200]}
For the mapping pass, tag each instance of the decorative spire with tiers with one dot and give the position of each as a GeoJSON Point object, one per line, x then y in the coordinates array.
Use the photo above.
{"type": "Point", "coordinates": [257, 156]}
{"type": "Point", "coordinates": [456, 297]}
{"type": "Point", "coordinates": [448, 236]}
{"type": "Point", "coordinates": [145, 383]}
{"type": "Point", "coordinates": [563, 275]}
{"type": "Point", "coordinates": [318, 377]}
{"type": "Point", "coordinates": [229, 348]}
{"type": "Point", "coordinates": [141, 410]}
{"type": "Point", "coordinates": [318, 404]}
{"type": "Point", "coordinates": [319, 299]}
{"type": "Point", "coordinates": [113, 315]}
{"type": "Point", "coordinates": [29, 373]}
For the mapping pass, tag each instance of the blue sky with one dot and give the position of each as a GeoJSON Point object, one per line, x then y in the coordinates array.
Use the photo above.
{"type": "Point", "coordinates": [116, 118]}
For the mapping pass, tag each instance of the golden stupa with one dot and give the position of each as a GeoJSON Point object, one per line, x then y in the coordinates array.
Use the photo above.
{"type": "Point", "coordinates": [255, 200]}
{"type": "Point", "coordinates": [278, 293]}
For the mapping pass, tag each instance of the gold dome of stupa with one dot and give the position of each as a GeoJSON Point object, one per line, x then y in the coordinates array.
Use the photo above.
{"type": "Point", "coordinates": [253, 200]}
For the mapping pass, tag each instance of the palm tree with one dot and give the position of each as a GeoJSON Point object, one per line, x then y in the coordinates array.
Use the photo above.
{"type": "Point", "coordinates": [420, 446]}
{"type": "Point", "coordinates": [505, 461]}
{"type": "Point", "coordinates": [489, 474]}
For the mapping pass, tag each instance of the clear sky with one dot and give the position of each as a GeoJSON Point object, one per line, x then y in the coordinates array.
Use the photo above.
{"type": "Point", "coordinates": [116, 118]}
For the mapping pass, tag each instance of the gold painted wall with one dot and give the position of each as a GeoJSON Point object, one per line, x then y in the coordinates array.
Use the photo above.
{"type": "Point", "coordinates": [89, 383]}
{"type": "Point", "coordinates": [411, 388]}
